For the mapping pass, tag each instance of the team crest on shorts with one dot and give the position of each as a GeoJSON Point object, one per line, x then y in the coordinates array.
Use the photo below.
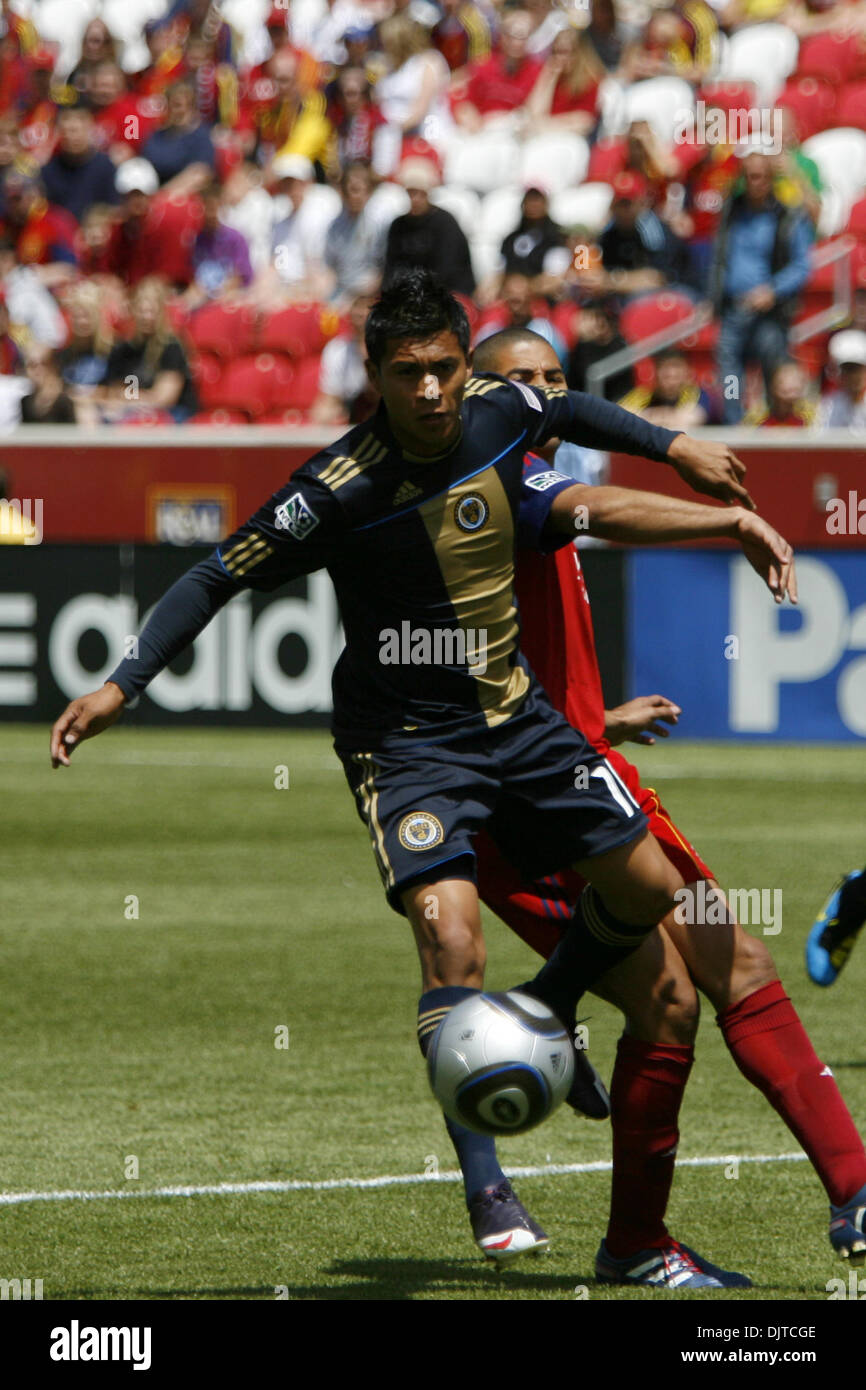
{"type": "Point", "coordinates": [420, 830]}
{"type": "Point", "coordinates": [471, 512]}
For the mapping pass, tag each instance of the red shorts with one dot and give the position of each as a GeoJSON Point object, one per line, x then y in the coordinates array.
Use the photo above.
{"type": "Point", "coordinates": [540, 911]}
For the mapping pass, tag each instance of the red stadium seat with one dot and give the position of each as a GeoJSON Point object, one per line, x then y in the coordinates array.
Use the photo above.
{"type": "Point", "coordinates": [851, 109]}
{"type": "Point", "coordinates": [299, 329]}
{"type": "Point", "coordinates": [813, 102]}
{"type": "Point", "coordinates": [207, 371]}
{"type": "Point", "coordinates": [219, 416]}
{"type": "Point", "coordinates": [651, 314]}
{"type": "Point", "coordinates": [288, 417]}
{"type": "Point", "coordinates": [835, 57]}
{"type": "Point", "coordinates": [857, 220]}
{"type": "Point", "coordinates": [249, 384]}
{"type": "Point", "coordinates": [147, 419]}
{"type": "Point", "coordinates": [297, 384]}
{"type": "Point", "coordinates": [225, 329]}
{"type": "Point", "coordinates": [606, 159]}
{"type": "Point", "coordinates": [730, 96]}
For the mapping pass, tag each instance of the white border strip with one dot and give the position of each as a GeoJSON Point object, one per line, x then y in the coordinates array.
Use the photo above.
{"type": "Point", "coordinates": [236, 1189]}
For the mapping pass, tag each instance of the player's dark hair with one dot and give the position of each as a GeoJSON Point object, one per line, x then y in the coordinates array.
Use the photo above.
{"type": "Point", "coordinates": [414, 304]}
{"type": "Point", "coordinates": [486, 352]}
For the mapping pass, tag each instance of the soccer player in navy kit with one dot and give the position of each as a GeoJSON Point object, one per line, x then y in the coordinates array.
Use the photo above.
{"type": "Point", "coordinates": [414, 513]}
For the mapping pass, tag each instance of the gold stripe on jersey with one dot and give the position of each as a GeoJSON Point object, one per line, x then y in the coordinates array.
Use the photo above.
{"type": "Point", "coordinates": [246, 553]}
{"type": "Point", "coordinates": [554, 392]}
{"type": "Point", "coordinates": [370, 811]}
{"type": "Point", "coordinates": [479, 386]}
{"type": "Point", "coordinates": [344, 467]}
{"type": "Point", "coordinates": [477, 568]}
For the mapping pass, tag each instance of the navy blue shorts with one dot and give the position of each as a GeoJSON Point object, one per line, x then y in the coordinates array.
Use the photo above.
{"type": "Point", "coordinates": [536, 784]}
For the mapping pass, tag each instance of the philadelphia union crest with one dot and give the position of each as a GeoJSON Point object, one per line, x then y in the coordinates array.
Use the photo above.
{"type": "Point", "coordinates": [471, 512]}
{"type": "Point", "coordinates": [420, 830]}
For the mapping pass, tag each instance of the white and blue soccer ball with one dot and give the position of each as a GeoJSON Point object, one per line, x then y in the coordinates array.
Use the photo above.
{"type": "Point", "coordinates": [500, 1063]}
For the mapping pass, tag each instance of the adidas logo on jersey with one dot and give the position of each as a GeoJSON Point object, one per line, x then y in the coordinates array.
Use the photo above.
{"type": "Point", "coordinates": [406, 492]}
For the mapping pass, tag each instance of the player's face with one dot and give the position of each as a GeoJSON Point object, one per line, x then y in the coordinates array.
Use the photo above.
{"type": "Point", "coordinates": [421, 383]}
{"type": "Point", "coordinates": [535, 364]}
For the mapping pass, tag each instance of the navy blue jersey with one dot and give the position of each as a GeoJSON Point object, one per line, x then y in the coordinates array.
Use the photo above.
{"type": "Point", "coordinates": [421, 554]}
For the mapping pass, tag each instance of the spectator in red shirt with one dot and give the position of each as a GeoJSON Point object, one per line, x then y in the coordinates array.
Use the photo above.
{"type": "Point", "coordinates": [565, 97]}
{"type": "Point", "coordinates": [38, 117]}
{"type": "Point", "coordinates": [462, 35]}
{"type": "Point", "coordinates": [122, 120]}
{"type": "Point", "coordinates": [502, 83]}
{"type": "Point", "coordinates": [155, 235]}
{"type": "Point", "coordinates": [166, 64]}
{"type": "Point", "coordinates": [44, 235]}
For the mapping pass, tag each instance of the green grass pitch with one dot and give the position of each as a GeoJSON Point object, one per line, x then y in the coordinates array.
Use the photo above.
{"type": "Point", "coordinates": [146, 1044]}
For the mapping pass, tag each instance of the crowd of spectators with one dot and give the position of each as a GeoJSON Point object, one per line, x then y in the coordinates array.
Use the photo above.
{"type": "Point", "coordinates": [252, 159]}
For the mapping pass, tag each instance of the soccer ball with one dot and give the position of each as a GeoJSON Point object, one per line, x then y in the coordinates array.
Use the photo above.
{"type": "Point", "coordinates": [500, 1063]}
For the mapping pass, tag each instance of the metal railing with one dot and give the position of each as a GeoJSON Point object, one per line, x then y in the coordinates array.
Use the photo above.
{"type": "Point", "coordinates": [838, 251]}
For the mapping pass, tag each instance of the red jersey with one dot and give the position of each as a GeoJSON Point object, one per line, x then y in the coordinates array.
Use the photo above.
{"type": "Point", "coordinates": [565, 101]}
{"type": "Point", "coordinates": [557, 637]}
{"type": "Point", "coordinates": [48, 235]}
{"type": "Point", "coordinates": [492, 87]}
{"type": "Point", "coordinates": [127, 121]}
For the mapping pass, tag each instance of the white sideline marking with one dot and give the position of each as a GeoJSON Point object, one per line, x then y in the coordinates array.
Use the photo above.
{"type": "Point", "coordinates": [234, 1189]}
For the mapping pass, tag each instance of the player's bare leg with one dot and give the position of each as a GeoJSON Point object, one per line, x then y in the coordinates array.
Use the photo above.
{"type": "Point", "coordinates": [446, 921]}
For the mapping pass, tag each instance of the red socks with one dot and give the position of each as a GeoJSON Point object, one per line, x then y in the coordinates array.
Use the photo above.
{"type": "Point", "coordinates": [645, 1095]}
{"type": "Point", "coordinates": [772, 1050]}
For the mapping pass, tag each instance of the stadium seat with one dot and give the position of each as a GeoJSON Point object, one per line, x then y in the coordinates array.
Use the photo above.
{"type": "Point", "coordinates": [219, 416]}
{"type": "Point", "coordinates": [662, 101]}
{"type": "Point", "coordinates": [288, 418]}
{"type": "Point", "coordinates": [813, 102]}
{"type": "Point", "coordinates": [764, 54]}
{"type": "Point", "coordinates": [728, 96]}
{"type": "Point", "coordinates": [587, 206]}
{"type": "Point", "coordinates": [298, 329]}
{"type": "Point", "coordinates": [486, 257]}
{"type": "Point", "coordinates": [249, 383]}
{"type": "Point", "coordinates": [851, 110]}
{"type": "Point", "coordinates": [500, 214]}
{"type": "Point", "coordinates": [389, 201]}
{"type": "Point", "coordinates": [554, 161]}
{"type": "Point", "coordinates": [296, 383]}
{"type": "Point", "coordinates": [245, 15]}
{"type": "Point", "coordinates": [462, 203]}
{"type": "Point", "coordinates": [831, 56]}
{"type": "Point", "coordinates": [61, 24]}
{"type": "Point", "coordinates": [225, 329]}
{"type": "Point", "coordinates": [482, 162]}
{"type": "Point", "coordinates": [207, 371]}
{"type": "Point", "coordinates": [857, 220]}
{"type": "Point", "coordinates": [841, 158]}
{"type": "Point", "coordinates": [650, 314]}
{"type": "Point", "coordinates": [835, 208]}
{"type": "Point", "coordinates": [606, 159]}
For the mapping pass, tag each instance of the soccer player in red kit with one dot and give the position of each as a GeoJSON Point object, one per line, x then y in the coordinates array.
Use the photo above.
{"type": "Point", "coordinates": [655, 987]}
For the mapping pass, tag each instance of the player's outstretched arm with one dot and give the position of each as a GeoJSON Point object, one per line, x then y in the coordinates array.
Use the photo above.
{"type": "Point", "coordinates": [85, 718]}
{"type": "Point", "coordinates": [651, 518]}
{"type": "Point", "coordinates": [706, 465]}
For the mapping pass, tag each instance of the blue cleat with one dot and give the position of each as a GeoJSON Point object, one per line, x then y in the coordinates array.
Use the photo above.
{"type": "Point", "coordinates": [674, 1266]}
{"type": "Point", "coordinates": [831, 940]}
{"type": "Point", "coordinates": [502, 1227]}
{"type": "Point", "coordinates": [848, 1229]}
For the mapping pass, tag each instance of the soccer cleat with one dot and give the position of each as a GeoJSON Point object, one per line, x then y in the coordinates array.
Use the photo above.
{"type": "Point", "coordinates": [502, 1227]}
{"type": "Point", "coordinates": [848, 1229]}
{"type": "Point", "coordinates": [588, 1095]}
{"type": "Point", "coordinates": [831, 940]}
{"type": "Point", "coordinates": [674, 1266]}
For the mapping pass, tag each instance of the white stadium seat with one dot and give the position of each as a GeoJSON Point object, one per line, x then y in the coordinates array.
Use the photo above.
{"type": "Point", "coordinates": [764, 54]}
{"type": "Point", "coordinates": [462, 203]}
{"type": "Point", "coordinates": [665, 102]}
{"type": "Point", "coordinates": [835, 211]}
{"type": "Point", "coordinates": [556, 161]}
{"type": "Point", "coordinates": [482, 162]}
{"type": "Point", "coordinates": [486, 258]}
{"type": "Point", "coordinates": [61, 23]}
{"type": "Point", "coordinates": [841, 158]}
{"type": "Point", "coordinates": [389, 201]}
{"type": "Point", "coordinates": [500, 214]}
{"type": "Point", "coordinates": [587, 206]}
